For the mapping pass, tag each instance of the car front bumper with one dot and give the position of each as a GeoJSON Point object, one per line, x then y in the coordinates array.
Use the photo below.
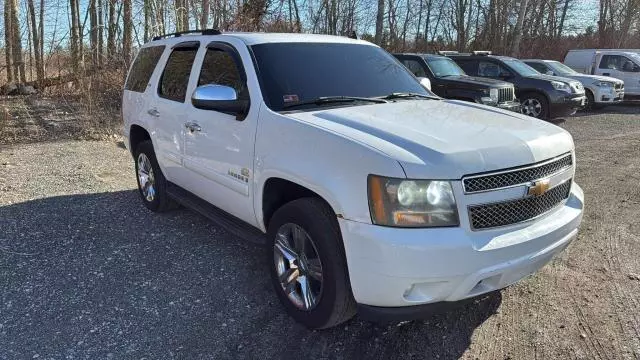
{"type": "Point", "coordinates": [607, 95]}
{"type": "Point", "coordinates": [565, 104]}
{"type": "Point", "coordinates": [510, 105]}
{"type": "Point", "coordinates": [396, 268]}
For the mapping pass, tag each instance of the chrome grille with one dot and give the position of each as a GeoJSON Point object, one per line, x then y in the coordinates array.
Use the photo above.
{"type": "Point", "coordinates": [516, 211]}
{"type": "Point", "coordinates": [505, 94]}
{"type": "Point", "coordinates": [516, 176]}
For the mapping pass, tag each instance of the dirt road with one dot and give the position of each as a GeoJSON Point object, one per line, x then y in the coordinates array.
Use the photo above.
{"type": "Point", "coordinates": [87, 272]}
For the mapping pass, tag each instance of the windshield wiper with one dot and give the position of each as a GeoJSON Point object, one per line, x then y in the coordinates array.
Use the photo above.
{"type": "Point", "coordinates": [334, 99]}
{"type": "Point", "coordinates": [403, 95]}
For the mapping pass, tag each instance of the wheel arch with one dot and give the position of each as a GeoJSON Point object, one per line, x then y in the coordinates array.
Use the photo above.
{"type": "Point", "coordinates": [277, 190]}
{"type": "Point", "coordinates": [137, 134]}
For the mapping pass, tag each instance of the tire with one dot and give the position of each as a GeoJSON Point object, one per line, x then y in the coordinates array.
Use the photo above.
{"type": "Point", "coordinates": [147, 164]}
{"type": "Point", "coordinates": [591, 104]}
{"type": "Point", "coordinates": [535, 105]}
{"type": "Point", "coordinates": [312, 219]}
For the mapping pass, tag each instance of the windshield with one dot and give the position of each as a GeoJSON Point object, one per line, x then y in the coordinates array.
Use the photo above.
{"type": "Point", "coordinates": [441, 67]}
{"type": "Point", "coordinates": [560, 68]}
{"type": "Point", "coordinates": [297, 72]}
{"type": "Point", "coordinates": [521, 68]}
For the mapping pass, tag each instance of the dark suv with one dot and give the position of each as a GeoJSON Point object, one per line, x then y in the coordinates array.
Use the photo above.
{"type": "Point", "coordinates": [541, 96]}
{"type": "Point", "coordinates": [450, 81]}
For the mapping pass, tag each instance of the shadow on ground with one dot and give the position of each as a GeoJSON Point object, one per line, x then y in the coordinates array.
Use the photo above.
{"type": "Point", "coordinates": [98, 276]}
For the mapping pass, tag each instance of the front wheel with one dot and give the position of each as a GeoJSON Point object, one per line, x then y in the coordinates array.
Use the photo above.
{"type": "Point", "coordinates": [535, 105]}
{"type": "Point", "coordinates": [308, 264]}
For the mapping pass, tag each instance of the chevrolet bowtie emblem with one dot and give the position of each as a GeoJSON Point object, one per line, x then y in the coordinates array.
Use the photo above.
{"type": "Point", "coordinates": [538, 188]}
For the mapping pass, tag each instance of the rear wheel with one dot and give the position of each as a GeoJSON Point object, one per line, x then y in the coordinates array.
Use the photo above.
{"type": "Point", "coordinates": [308, 265]}
{"type": "Point", "coordinates": [152, 185]}
{"type": "Point", "coordinates": [535, 105]}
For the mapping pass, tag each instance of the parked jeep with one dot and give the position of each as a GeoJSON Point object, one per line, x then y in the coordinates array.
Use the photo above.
{"type": "Point", "coordinates": [370, 193]}
{"type": "Point", "coordinates": [450, 81]}
{"type": "Point", "coordinates": [541, 96]}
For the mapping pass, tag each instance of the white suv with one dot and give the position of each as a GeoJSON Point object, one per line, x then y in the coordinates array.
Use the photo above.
{"type": "Point", "coordinates": [371, 194]}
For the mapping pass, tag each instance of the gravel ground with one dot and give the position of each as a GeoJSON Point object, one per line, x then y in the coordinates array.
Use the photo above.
{"type": "Point", "coordinates": [87, 272]}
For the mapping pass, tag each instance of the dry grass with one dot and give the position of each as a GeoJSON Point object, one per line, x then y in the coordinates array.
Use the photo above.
{"type": "Point", "coordinates": [87, 110]}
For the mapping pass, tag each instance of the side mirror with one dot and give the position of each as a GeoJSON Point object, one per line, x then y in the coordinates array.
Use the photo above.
{"type": "Point", "coordinates": [549, 72]}
{"type": "Point", "coordinates": [219, 98]}
{"type": "Point", "coordinates": [425, 82]}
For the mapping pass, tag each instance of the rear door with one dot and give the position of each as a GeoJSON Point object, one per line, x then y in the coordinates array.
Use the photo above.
{"type": "Point", "coordinates": [168, 109]}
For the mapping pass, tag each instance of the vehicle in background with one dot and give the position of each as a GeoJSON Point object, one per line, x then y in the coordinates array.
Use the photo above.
{"type": "Point", "coordinates": [450, 81]}
{"type": "Point", "coordinates": [600, 90]}
{"type": "Point", "coordinates": [542, 96]}
{"type": "Point", "coordinates": [623, 64]}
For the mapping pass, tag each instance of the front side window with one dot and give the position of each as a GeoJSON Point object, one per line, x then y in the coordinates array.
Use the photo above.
{"type": "Point", "coordinates": [143, 67]}
{"type": "Point", "coordinates": [619, 62]}
{"type": "Point", "coordinates": [220, 68]}
{"type": "Point", "coordinates": [300, 72]}
{"type": "Point", "coordinates": [415, 67]}
{"type": "Point", "coordinates": [443, 67]}
{"type": "Point", "coordinates": [175, 77]}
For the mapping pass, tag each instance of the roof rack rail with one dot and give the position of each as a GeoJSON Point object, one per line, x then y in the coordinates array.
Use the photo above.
{"type": "Point", "coordinates": [180, 33]}
{"type": "Point", "coordinates": [447, 52]}
{"type": "Point", "coordinates": [482, 52]}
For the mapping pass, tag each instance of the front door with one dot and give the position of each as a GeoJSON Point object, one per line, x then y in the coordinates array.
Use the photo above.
{"type": "Point", "coordinates": [219, 150]}
{"type": "Point", "coordinates": [623, 68]}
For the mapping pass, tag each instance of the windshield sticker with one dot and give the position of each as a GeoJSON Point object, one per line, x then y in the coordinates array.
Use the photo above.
{"type": "Point", "coordinates": [290, 98]}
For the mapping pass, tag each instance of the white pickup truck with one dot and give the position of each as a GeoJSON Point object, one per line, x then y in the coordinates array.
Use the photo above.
{"type": "Point", "coordinates": [370, 193]}
{"type": "Point", "coordinates": [623, 64]}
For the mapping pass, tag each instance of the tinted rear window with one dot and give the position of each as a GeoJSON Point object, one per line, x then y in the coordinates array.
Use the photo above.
{"type": "Point", "coordinates": [175, 77]}
{"type": "Point", "coordinates": [143, 67]}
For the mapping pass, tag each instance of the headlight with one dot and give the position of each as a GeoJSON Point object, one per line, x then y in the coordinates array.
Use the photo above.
{"type": "Point", "coordinates": [493, 94]}
{"type": "Point", "coordinates": [561, 86]}
{"type": "Point", "coordinates": [603, 84]}
{"type": "Point", "coordinates": [411, 203]}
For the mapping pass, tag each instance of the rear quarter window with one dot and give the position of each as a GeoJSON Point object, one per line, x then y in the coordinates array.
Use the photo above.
{"type": "Point", "coordinates": [143, 67]}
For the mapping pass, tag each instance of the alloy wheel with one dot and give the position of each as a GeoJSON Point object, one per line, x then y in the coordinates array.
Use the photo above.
{"type": "Point", "coordinates": [298, 266]}
{"type": "Point", "coordinates": [146, 179]}
{"type": "Point", "coordinates": [532, 107]}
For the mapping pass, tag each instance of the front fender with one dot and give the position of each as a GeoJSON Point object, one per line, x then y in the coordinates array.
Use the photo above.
{"type": "Point", "coordinates": [330, 164]}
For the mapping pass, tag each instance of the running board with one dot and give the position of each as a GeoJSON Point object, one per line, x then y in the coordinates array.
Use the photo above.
{"type": "Point", "coordinates": [220, 217]}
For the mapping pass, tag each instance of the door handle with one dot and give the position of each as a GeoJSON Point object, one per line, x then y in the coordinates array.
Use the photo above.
{"type": "Point", "coordinates": [192, 127]}
{"type": "Point", "coordinates": [153, 112]}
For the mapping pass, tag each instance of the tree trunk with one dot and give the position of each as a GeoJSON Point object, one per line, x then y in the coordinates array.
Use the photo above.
{"type": "Point", "coordinates": [35, 41]}
{"type": "Point", "coordinates": [126, 36]}
{"type": "Point", "coordinates": [93, 31]}
{"type": "Point", "coordinates": [111, 30]}
{"type": "Point", "coordinates": [75, 54]}
{"type": "Point", "coordinates": [8, 41]}
{"type": "Point", "coordinates": [100, 49]}
{"type": "Point", "coordinates": [562, 17]}
{"type": "Point", "coordinates": [18, 63]}
{"type": "Point", "coordinates": [379, 22]}
{"type": "Point", "coordinates": [204, 19]}
{"type": "Point", "coordinates": [515, 48]}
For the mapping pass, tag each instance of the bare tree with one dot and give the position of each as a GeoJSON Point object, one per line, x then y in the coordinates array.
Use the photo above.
{"type": "Point", "coordinates": [517, 36]}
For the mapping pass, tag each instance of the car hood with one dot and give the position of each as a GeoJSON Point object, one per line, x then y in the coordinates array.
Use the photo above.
{"type": "Point", "coordinates": [445, 139]}
{"type": "Point", "coordinates": [476, 81]}
{"type": "Point", "coordinates": [589, 79]}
